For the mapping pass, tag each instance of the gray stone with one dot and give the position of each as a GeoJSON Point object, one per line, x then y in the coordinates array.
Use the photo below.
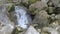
{"type": "Point", "coordinates": [50, 30]}
{"type": "Point", "coordinates": [25, 1]}
{"type": "Point", "coordinates": [38, 5]}
{"type": "Point", "coordinates": [41, 18]}
{"type": "Point", "coordinates": [31, 30]}
{"type": "Point", "coordinates": [45, 1]}
{"type": "Point", "coordinates": [6, 26]}
{"type": "Point", "coordinates": [57, 16]}
{"type": "Point", "coordinates": [56, 3]}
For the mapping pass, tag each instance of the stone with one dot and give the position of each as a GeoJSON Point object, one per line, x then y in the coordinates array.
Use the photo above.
{"type": "Point", "coordinates": [9, 6]}
{"type": "Point", "coordinates": [50, 30]}
{"type": "Point", "coordinates": [31, 30]}
{"type": "Point", "coordinates": [25, 1]}
{"type": "Point", "coordinates": [56, 3]}
{"type": "Point", "coordinates": [32, 1]}
{"type": "Point", "coordinates": [17, 1]}
{"type": "Point", "coordinates": [54, 23]}
{"type": "Point", "coordinates": [5, 22]}
{"type": "Point", "coordinates": [57, 16]}
{"type": "Point", "coordinates": [41, 18]}
{"type": "Point", "coordinates": [38, 5]}
{"type": "Point", "coordinates": [7, 1]}
{"type": "Point", "coordinates": [45, 1]}
{"type": "Point", "coordinates": [53, 31]}
{"type": "Point", "coordinates": [51, 9]}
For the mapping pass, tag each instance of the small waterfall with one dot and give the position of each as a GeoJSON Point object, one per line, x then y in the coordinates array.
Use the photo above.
{"type": "Point", "coordinates": [22, 17]}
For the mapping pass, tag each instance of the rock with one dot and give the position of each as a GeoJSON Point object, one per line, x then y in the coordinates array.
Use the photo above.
{"type": "Point", "coordinates": [9, 6]}
{"type": "Point", "coordinates": [5, 23]}
{"type": "Point", "coordinates": [31, 30]}
{"type": "Point", "coordinates": [45, 1]}
{"type": "Point", "coordinates": [50, 4]}
{"type": "Point", "coordinates": [17, 1]}
{"type": "Point", "coordinates": [7, 1]}
{"type": "Point", "coordinates": [53, 31]}
{"type": "Point", "coordinates": [56, 3]}
{"type": "Point", "coordinates": [22, 33]}
{"type": "Point", "coordinates": [19, 28]}
{"type": "Point", "coordinates": [5, 31]}
{"type": "Point", "coordinates": [52, 17]}
{"type": "Point", "coordinates": [57, 10]}
{"type": "Point", "coordinates": [51, 10]}
{"type": "Point", "coordinates": [25, 1]}
{"type": "Point", "coordinates": [50, 30]}
{"type": "Point", "coordinates": [39, 30]}
{"type": "Point", "coordinates": [41, 18]}
{"type": "Point", "coordinates": [54, 23]}
{"type": "Point", "coordinates": [38, 5]}
{"type": "Point", "coordinates": [57, 16]}
{"type": "Point", "coordinates": [32, 1]}
{"type": "Point", "coordinates": [45, 29]}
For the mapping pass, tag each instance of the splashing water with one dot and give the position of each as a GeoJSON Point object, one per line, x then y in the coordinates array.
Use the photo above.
{"type": "Point", "coordinates": [22, 17]}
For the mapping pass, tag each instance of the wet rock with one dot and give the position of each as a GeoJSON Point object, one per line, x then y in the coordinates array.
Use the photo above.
{"type": "Point", "coordinates": [41, 18]}
{"type": "Point", "coordinates": [56, 3]}
{"type": "Point", "coordinates": [38, 5]}
{"type": "Point", "coordinates": [23, 19]}
{"type": "Point", "coordinates": [31, 30]}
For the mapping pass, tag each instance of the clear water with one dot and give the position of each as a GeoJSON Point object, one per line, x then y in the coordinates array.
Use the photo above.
{"type": "Point", "coordinates": [22, 17]}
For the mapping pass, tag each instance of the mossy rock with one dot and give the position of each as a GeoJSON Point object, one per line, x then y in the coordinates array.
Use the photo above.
{"type": "Point", "coordinates": [51, 9]}
{"type": "Point", "coordinates": [8, 1]}
{"type": "Point", "coordinates": [10, 7]}
{"type": "Point", "coordinates": [32, 1]}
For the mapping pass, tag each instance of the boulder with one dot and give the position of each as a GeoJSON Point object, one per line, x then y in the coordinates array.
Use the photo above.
{"type": "Point", "coordinates": [5, 22]}
{"type": "Point", "coordinates": [38, 5]}
{"type": "Point", "coordinates": [31, 30]}
{"type": "Point", "coordinates": [41, 18]}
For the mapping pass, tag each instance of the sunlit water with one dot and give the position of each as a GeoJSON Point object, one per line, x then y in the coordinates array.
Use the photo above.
{"type": "Point", "coordinates": [22, 17]}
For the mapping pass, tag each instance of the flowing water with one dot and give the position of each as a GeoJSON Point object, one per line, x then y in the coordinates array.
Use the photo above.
{"type": "Point", "coordinates": [22, 17]}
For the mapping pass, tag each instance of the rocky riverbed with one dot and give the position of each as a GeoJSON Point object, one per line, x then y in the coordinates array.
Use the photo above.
{"type": "Point", "coordinates": [29, 16]}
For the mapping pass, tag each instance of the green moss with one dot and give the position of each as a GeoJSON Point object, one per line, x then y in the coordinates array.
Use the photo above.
{"type": "Point", "coordinates": [10, 7]}
{"type": "Point", "coordinates": [51, 9]}
{"type": "Point", "coordinates": [15, 31]}
{"type": "Point", "coordinates": [32, 1]}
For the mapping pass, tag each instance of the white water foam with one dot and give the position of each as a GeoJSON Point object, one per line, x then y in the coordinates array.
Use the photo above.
{"type": "Point", "coordinates": [22, 17]}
